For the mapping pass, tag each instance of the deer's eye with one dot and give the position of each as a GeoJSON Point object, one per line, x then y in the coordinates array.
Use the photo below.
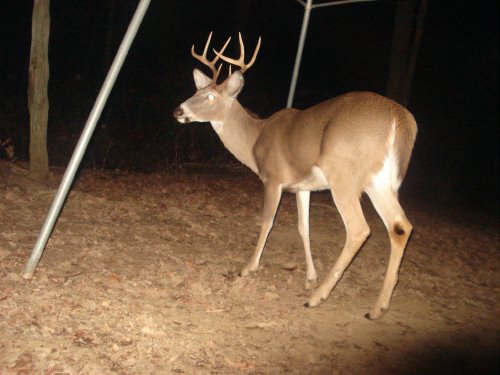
{"type": "Point", "coordinates": [211, 97]}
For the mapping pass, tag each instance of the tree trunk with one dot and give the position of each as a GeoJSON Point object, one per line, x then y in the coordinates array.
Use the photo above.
{"type": "Point", "coordinates": [412, 59]}
{"type": "Point", "coordinates": [38, 101]}
{"type": "Point", "coordinates": [108, 40]}
{"type": "Point", "coordinates": [400, 51]}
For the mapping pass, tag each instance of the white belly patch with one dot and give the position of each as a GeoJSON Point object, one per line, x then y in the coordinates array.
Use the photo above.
{"type": "Point", "coordinates": [315, 181]}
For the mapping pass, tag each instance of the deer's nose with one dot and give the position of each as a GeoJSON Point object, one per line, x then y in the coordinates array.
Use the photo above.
{"type": "Point", "coordinates": [178, 112]}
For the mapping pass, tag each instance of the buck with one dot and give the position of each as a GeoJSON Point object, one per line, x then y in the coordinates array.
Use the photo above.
{"type": "Point", "coordinates": [354, 143]}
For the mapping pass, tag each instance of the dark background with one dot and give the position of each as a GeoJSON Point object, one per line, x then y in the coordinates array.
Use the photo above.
{"type": "Point", "coordinates": [454, 96]}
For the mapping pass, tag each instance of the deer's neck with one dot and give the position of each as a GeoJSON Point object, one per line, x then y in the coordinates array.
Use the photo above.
{"type": "Point", "coordinates": [238, 132]}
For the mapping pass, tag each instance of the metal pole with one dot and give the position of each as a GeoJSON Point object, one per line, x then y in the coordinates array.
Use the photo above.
{"type": "Point", "coordinates": [69, 175]}
{"type": "Point", "coordinates": [305, 22]}
{"type": "Point", "coordinates": [341, 2]}
{"type": "Point", "coordinates": [298, 58]}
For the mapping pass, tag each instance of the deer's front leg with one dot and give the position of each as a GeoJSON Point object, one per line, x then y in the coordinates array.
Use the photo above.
{"type": "Point", "coordinates": [272, 196]}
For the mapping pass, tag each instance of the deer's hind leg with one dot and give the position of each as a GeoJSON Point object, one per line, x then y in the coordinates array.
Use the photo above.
{"type": "Point", "coordinates": [357, 231]}
{"type": "Point", "coordinates": [387, 205]}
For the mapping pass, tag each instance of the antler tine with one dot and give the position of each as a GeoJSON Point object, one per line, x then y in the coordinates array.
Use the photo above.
{"type": "Point", "coordinates": [257, 48]}
{"type": "Point", "coordinates": [205, 61]}
{"type": "Point", "coordinates": [222, 49]}
{"type": "Point", "coordinates": [203, 57]}
{"type": "Point", "coordinates": [241, 61]}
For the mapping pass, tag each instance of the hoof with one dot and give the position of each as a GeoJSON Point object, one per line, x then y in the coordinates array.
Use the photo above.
{"type": "Point", "coordinates": [311, 304]}
{"type": "Point", "coordinates": [247, 271]}
{"type": "Point", "coordinates": [319, 295]}
{"type": "Point", "coordinates": [244, 273]}
{"type": "Point", "coordinates": [376, 316]}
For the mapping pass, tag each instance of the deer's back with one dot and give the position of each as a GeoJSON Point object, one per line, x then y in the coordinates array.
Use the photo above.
{"type": "Point", "coordinates": [349, 131]}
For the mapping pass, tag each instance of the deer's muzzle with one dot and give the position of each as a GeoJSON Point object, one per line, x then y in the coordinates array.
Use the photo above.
{"type": "Point", "coordinates": [180, 115]}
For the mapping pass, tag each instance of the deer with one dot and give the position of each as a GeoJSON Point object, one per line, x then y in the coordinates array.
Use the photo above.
{"type": "Point", "coordinates": [355, 143]}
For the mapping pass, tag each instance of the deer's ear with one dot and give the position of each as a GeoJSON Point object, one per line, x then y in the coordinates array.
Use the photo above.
{"type": "Point", "coordinates": [200, 80]}
{"type": "Point", "coordinates": [234, 84]}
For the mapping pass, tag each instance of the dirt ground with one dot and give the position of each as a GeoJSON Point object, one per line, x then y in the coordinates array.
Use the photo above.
{"type": "Point", "coordinates": [140, 276]}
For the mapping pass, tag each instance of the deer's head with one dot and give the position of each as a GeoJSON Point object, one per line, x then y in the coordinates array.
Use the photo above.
{"type": "Point", "coordinates": [212, 101]}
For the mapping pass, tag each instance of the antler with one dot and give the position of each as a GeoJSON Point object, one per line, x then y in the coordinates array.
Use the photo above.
{"type": "Point", "coordinates": [241, 61]}
{"type": "Point", "coordinates": [204, 60]}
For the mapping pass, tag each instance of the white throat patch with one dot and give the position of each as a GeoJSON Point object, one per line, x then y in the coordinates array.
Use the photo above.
{"type": "Point", "coordinates": [218, 126]}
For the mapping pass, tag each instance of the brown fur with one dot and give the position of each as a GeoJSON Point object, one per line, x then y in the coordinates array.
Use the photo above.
{"type": "Point", "coordinates": [356, 142]}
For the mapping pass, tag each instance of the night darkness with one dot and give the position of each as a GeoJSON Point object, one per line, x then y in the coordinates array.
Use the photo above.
{"type": "Point", "coordinates": [454, 95]}
{"type": "Point", "coordinates": [144, 270]}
